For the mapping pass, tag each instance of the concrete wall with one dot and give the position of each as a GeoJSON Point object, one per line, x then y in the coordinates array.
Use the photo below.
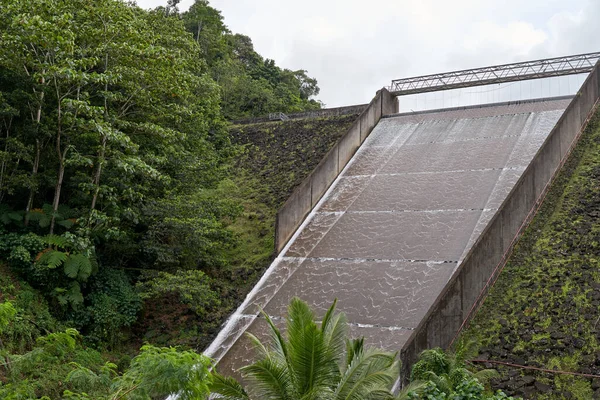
{"type": "Point", "coordinates": [324, 112]}
{"type": "Point", "coordinates": [493, 247]}
{"type": "Point", "coordinates": [310, 191]}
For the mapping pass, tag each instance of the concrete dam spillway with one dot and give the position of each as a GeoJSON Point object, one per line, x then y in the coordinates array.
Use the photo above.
{"type": "Point", "coordinates": [397, 222]}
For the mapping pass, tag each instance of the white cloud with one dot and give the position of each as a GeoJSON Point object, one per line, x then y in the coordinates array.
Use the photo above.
{"type": "Point", "coordinates": [354, 47]}
{"type": "Point", "coordinates": [518, 37]}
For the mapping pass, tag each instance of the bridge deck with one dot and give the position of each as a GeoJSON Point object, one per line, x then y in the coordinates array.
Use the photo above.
{"type": "Point", "coordinates": [397, 222]}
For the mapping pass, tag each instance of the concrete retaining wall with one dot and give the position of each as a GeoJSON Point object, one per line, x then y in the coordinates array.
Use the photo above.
{"type": "Point", "coordinates": [324, 112]}
{"type": "Point", "coordinates": [492, 248]}
{"type": "Point", "coordinates": [310, 191]}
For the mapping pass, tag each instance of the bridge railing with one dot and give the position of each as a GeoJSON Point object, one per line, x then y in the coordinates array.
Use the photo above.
{"type": "Point", "coordinates": [537, 69]}
{"type": "Point", "coordinates": [279, 116]}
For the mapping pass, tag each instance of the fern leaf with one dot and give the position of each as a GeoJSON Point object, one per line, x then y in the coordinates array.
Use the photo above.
{"type": "Point", "coordinates": [57, 241]}
{"type": "Point", "coordinates": [66, 223]}
{"type": "Point", "coordinates": [79, 267]}
{"type": "Point", "coordinates": [35, 215]}
{"type": "Point", "coordinates": [72, 265]}
{"type": "Point", "coordinates": [74, 295]}
{"type": "Point", "coordinates": [52, 259]}
{"type": "Point", "coordinates": [64, 211]}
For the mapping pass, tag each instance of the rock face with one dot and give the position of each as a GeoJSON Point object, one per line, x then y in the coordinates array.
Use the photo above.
{"type": "Point", "coordinates": [397, 222]}
{"type": "Point", "coordinates": [281, 154]}
{"type": "Point", "coordinates": [544, 308]}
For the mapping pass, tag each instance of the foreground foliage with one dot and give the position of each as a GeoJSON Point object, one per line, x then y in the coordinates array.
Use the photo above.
{"type": "Point", "coordinates": [60, 366]}
{"type": "Point", "coordinates": [313, 362]}
{"type": "Point", "coordinates": [448, 377]}
{"type": "Point", "coordinates": [118, 205]}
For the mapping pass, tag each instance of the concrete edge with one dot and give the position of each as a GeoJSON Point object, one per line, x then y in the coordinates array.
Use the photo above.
{"type": "Point", "coordinates": [472, 107]}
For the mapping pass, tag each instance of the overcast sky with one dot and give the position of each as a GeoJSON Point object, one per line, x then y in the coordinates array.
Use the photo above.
{"type": "Point", "coordinates": [354, 47]}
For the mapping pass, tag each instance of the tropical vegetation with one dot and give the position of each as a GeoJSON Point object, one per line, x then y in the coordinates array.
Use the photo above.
{"type": "Point", "coordinates": [319, 361]}
{"type": "Point", "coordinates": [129, 229]}
{"type": "Point", "coordinates": [118, 200]}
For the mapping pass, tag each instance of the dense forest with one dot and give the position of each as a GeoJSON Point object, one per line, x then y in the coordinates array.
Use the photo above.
{"type": "Point", "coordinates": [116, 192]}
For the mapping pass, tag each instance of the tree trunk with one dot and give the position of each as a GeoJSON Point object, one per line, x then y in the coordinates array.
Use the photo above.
{"type": "Point", "coordinates": [4, 162]}
{"type": "Point", "coordinates": [199, 30]}
{"type": "Point", "coordinates": [102, 151]}
{"type": "Point", "coordinates": [34, 171]}
{"type": "Point", "coordinates": [96, 180]}
{"type": "Point", "coordinates": [57, 189]}
{"type": "Point", "coordinates": [36, 161]}
{"type": "Point", "coordinates": [62, 155]}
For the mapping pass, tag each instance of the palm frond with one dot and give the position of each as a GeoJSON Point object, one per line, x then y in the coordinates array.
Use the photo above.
{"type": "Point", "coordinates": [227, 388]}
{"type": "Point", "coordinates": [268, 380]}
{"type": "Point", "coordinates": [279, 345]}
{"type": "Point", "coordinates": [311, 362]}
{"type": "Point", "coordinates": [353, 348]}
{"type": "Point", "coordinates": [369, 370]}
{"type": "Point", "coordinates": [258, 346]}
{"type": "Point", "coordinates": [328, 315]}
{"type": "Point", "coordinates": [416, 387]}
{"type": "Point", "coordinates": [334, 336]}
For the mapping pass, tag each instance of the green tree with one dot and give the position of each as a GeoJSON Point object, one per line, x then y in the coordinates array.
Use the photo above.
{"type": "Point", "coordinates": [111, 138]}
{"type": "Point", "coordinates": [155, 372]}
{"type": "Point", "coordinates": [313, 362]}
{"type": "Point", "coordinates": [60, 367]}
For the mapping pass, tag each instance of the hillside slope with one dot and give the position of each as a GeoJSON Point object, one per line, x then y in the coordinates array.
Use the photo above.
{"type": "Point", "coordinates": [274, 159]}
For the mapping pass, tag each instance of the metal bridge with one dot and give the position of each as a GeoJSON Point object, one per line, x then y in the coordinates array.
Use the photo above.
{"type": "Point", "coordinates": [546, 68]}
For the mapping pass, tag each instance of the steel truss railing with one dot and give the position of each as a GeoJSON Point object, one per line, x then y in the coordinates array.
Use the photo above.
{"type": "Point", "coordinates": [570, 65]}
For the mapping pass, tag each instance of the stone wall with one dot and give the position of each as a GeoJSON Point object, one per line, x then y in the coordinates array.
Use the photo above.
{"type": "Point", "coordinates": [322, 113]}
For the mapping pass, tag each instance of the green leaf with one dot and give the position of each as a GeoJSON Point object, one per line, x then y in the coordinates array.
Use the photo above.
{"type": "Point", "coordinates": [66, 223]}
{"type": "Point", "coordinates": [52, 258]}
{"type": "Point", "coordinates": [228, 388]}
{"type": "Point", "coordinates": [57, 241]}
{"type": "Point", "coordinates": [78, 266]}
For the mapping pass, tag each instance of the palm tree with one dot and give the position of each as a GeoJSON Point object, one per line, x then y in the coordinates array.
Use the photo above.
{"type": "Point", "coordinates": [313, 363]}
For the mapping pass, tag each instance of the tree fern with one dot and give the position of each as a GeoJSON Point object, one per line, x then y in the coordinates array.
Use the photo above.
{"type": "Point", "coordinates": [57, 241]}
{"type": "Point", "coordinates": [52, 259]}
